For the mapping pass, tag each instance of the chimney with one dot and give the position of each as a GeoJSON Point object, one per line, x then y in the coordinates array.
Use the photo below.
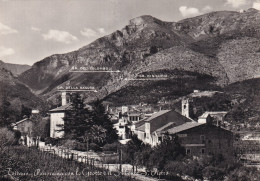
{"type": "Point", "coordinates": [63, 99]}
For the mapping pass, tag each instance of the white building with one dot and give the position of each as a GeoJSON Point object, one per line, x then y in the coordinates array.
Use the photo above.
{"type": "Point", "coordinates": [56, 118]}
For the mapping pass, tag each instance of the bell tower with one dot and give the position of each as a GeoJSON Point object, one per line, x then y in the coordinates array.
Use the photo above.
{"type": "Point", "coordinates": [185, 107]}
{"type": "Point", "coordinates": [63, 98]}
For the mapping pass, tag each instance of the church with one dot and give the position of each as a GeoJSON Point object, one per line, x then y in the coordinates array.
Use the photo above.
{"type": "Point", "coordinates": [197, 137]}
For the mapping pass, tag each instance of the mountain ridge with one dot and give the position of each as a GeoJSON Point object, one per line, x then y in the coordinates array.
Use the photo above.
{"type": "Point", "coordinates": [16, 69]}
{"type": "Point", "coordinates": [200, 44]}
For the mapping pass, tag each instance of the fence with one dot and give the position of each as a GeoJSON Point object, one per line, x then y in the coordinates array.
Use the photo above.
{"type": "Point", "coordinates": [91, 159]}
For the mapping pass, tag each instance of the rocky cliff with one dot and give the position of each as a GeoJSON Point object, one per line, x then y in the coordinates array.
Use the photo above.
{"type": "Point", "coordinates": [223, 45]}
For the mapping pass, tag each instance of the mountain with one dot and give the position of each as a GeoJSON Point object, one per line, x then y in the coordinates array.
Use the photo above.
{"type": "Point", "coordinates": [16, 69]}
{"type": "Point", "coordinates": [14, 96]}
{"type": "Point", "coordinates": [222, 47]}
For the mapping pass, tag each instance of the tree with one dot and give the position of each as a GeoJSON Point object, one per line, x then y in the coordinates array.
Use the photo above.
{"type": "Point", "coordinates": [77, 121]}
{"type": "Point", "coordinates": [132, 151]}
{"type": "Point", "coordinates": [86, 125]}
{"type": "Point", "coordinates": [25, 111]}
{"type": "Point", "coordinates": [41, 126]}
{"type": "Point", "coordinates": [103, 128]}
{"type": "Point", "coordinates": [169, 150]}
{"type": "Point", "coordinates": [5, 112]}
{"type": "Point", "coordinates": [7, 138]}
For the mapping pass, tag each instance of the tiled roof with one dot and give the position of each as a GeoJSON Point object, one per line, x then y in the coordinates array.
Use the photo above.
{"type": "Point", "coordinates": [155, 115]}
{"type": "Point", "coordinates": [167, 126]}
{"type": "Point", "coordinates": [182, 127]}
{"type": "Point", "coordinates": [13, 124]}
{"type": "Point", "coordinates": [67, 107]}
{"type": "Point", "coordinates": [206, 114]}
{"type": "Point", "coordinates": [61, 108]}
{"type": "Point", "coordinates": [162, 120]}
{"type": "Point", "coordinates": [164, 117]}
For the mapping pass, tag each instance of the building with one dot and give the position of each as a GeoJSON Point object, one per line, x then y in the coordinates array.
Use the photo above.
{"type": "Point", "coordinates": [122, 128]}
{"type": "Point", "coordinates": [197, 137]}
{"type": "Point", "coordinates": [56, 117]}
{"type": "Point", "coordinates": [147, 130]}
{"type": "Point", "coordinates": [217, 117]}
{"type": "Point", "coordinates": [202, 138]}
{"type": "Point", "coordinates": [134, 116]}
{"type": "Point", "coordinates": [186, 108]}
{"type": "Point", "coordinates": [24, 126]}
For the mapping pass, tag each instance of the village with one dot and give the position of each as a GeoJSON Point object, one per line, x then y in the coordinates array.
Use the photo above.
{"type": "Point", "coordinates": [113, 90]}
{"type": "Point", "coordinates": [208, 134]}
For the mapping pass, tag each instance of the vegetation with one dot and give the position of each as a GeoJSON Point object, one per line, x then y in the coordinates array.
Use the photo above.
{"type": "Point", "coordinates": [169, 157]}
{"type": "Point", "coordinates": [31, 164]}
{"type": "Point", "coordinates": [87, 126]}
{"type": "Point", "coordinates": [41, 126]}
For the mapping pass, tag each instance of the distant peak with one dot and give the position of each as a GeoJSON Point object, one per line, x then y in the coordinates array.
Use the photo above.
{"type": "Point", "coordinates": [144, 20]}
{"type": "Point", "coordinates": [252, 10]}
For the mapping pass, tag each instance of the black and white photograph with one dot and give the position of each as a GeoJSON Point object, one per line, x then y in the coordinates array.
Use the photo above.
{"type": "Point", "coordinates": [129, 90]}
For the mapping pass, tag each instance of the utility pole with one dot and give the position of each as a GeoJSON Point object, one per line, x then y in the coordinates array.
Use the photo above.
{"type": "Point", "coordinates": [120, 159]}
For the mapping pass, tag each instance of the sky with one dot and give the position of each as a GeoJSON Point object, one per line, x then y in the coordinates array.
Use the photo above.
{"type": "Point", "coordinates": [31, 30]}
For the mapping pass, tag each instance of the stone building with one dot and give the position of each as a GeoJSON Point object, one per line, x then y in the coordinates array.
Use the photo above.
{"type": "Point", "coordinates": [202, 138]}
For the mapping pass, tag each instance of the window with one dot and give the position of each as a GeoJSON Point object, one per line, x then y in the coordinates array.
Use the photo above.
{"type": "Point", "coordinates": [188, 151]}
{"type": "Point", "coordinates": [202, 151]}
{"type": "Point", "coordinates": [202, 137]}
{"type": "Point", "coordinates": [22, 128]}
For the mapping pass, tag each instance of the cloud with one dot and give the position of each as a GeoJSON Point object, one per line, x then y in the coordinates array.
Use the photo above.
{"type": "Point", "coordinates": [35, 28]}
{"type": "Point", "coordinates": [6, 51]}
{"type": "Point", "coordinates": [256, 5]}
{"type": "Point", "coordinates": [188, 12]}
{"type": "Point", "coordinates": [207, 9]}
{"type": "Point", "coordinates": [90, 33]}
{"type": "Point", "coordinates": [5, 30]}
{"type": "Point", "coordinates": [59, 36]}
{"type": "Point", "coordinates": [101, 30]}
{"type": "Point", "coordinates": [236, 3]}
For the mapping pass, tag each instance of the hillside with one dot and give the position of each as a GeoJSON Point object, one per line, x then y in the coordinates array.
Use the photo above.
{"type": "Point", "coordinates": [16, 69]}
{"type": "Point", "coordinates": [13, 96]}
{"type": "Point", "coordinates": [223, 45]}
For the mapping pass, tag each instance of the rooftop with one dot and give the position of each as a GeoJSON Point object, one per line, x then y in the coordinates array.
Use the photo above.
{"type": "Point", "coordinates": [206, 114]}
{"type": "Point", "coordinates": [66, 107]}
{"type": "Point", "coordinates": [155, 115]}
{"type": "Point", "coordinates": [61, 108]}
{"type": "Point", "coordinates": [26, 119]}
{"type": "Point", "coordinates": [182, 127]}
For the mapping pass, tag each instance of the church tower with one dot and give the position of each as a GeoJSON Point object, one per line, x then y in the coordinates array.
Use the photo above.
{"type": "Point", "coordinates": [63, 98]}
{"type": "Point", "coordinates": [185, 108]}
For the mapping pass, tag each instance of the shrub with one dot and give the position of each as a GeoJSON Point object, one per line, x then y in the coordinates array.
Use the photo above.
{"type": "Point", "coordinates": [80, 146]}
{"type": "Point", "coordinates": [111, 147]}
{"type": "Point", "coordinates": [52, 141]}
{"type": "Point", "coordinates": [214, 173]}
{"type": "Point", "coordinates": [7, 138]}
{"type": "Point", "coordinates": [94, 147]}
{"type": "Point", "coordinates": [70, 144]}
